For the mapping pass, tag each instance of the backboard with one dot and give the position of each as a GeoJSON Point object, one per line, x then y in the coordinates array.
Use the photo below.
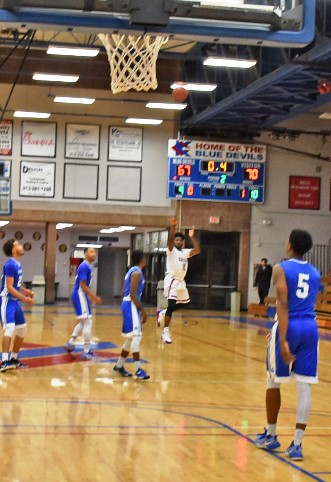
{"type": "Point", "coordinates": [278, 23]}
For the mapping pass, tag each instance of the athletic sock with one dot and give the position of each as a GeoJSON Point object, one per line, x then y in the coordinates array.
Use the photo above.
{"type": "Point", "coordinates": [271, 429]}
{"type": "Point", "coordinates": [298, 436]}
{"type": "Point", "coordinates": [120, 362]}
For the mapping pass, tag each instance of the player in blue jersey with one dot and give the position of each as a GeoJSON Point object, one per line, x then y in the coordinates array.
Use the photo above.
{"type": "Point", "coordinates": [81, 296]}
{"type": "Point", "coordinates": [12, 316]}
{"type": "Point", "coordinates": [293, 343]}
{"type": "Point", "coordinates": [134, 316]}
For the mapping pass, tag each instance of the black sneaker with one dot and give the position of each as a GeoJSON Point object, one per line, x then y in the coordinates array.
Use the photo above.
{"type": "Point", "coordinates": [6, 365]}
{"type": "Point", "coordinates": [15, 363]}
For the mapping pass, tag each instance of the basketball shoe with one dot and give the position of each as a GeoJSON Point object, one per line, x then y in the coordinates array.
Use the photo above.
{"type": "Point", "coordinates": [166, 338]}
{"type": "Point", "coordinates": [122, 371]}
{"type": "Point", "coordinates": [264, 441]}
{"type": "Point", "coordinates": [141, 375]}
{"type": "Point", "coordinates": [6, 365]}
{"type": "Point", "coordinates": [294, 452]}
{"type": "Point", "coordinates": [17, 363]}
{"type": "Point", "coordinates": [88, 356]}
{"type": "Point", "coordinates": [69, 347]}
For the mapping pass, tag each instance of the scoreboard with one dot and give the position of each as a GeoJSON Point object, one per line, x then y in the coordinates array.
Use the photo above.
{"type": "Point", "coordinates": [216, 171]}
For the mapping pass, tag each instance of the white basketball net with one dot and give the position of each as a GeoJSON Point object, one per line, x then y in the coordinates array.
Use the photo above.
{"type": "Point", "coordinates": [132, 60]}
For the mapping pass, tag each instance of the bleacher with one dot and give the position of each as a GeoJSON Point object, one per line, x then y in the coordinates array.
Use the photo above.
{"type": "Point", "coordinates": [268, 310]}
{"type": "Point", "coordinates": [323, 305]}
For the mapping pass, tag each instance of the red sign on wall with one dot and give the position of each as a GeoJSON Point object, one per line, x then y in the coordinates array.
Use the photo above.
{"type": "Point", "coordinates": [304, 192]}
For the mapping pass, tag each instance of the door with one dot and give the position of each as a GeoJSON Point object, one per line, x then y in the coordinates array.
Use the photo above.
{"type": "Point", "coordinates": [213, 274]}
{"type": "Point", "coordinates": [112, 266]}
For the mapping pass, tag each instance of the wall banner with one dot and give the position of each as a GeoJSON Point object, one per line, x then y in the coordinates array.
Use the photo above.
{"type": "Point", "coordinates": [38, 139]}
{"type": "Point", "coordinates": [6, 138]}
{"type": "Point", "coordinates": [125, 144]}
{"type": "Point", "coordinates": [82, 141]}
{"type": "Point", "coordinates": [304, 192]}
{"type": "Point", "coordinates": [37, 179]}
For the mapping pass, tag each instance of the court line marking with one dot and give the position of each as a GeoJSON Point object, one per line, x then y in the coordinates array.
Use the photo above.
{"type": "Point", "coordinates": [232, 430]}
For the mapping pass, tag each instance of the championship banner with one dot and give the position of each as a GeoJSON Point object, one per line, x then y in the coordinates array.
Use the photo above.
{"type": "Point", "coordinates": [37, 179]}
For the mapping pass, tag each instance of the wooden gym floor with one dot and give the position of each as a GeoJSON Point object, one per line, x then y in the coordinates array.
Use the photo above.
{"type": "Point", "coordinates": [64, 419]}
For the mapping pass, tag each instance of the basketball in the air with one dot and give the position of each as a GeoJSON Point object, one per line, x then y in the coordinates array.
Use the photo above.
{"type": "Point", "coordinates": [180, 94]}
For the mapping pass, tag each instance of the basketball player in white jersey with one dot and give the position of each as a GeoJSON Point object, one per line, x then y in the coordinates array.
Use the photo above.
{"type": "Point", "coordinates": [174, 284]}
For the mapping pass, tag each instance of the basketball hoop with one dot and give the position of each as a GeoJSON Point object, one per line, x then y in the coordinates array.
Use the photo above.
{"type": "Point", "coordinates": [132, 60]}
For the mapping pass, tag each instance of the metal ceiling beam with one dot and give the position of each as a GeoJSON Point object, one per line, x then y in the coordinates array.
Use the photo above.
{"type": "Point", "coordinates": [257, 87]}
{"type": "Point", "coordinates": [10, 4]}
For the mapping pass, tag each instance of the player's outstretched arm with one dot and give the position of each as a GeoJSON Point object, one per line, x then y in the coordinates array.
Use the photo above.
{"type": "Point", "coordinates": [196, 246]}
{"type": "Point", "coordinates": [172, 232]}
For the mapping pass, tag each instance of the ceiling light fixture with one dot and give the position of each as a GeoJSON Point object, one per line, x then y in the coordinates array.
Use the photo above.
{"type": "Point", "coordinates": [86, 245]}
{"type": "Point", "coordinates": [227, 62]}
{"type": "Point", "coordinates": [165, 105]}
{"type": "Point", "coordinates": [55, 77]}
{"type": "Point", "coordinates": [194, 87]}
{"type": "Point", "coordinates": [74, 52]}
{"type": "Point", "coordinates": [31, 115]}
{"type": "Point", "coordinates": [117, 230]}
{"type": "Point", "coordinates": [74, 100]}
{"type": "Point", "coordinates": [63, 225]}
{"type": "Point", "coordinates": [132, 120]}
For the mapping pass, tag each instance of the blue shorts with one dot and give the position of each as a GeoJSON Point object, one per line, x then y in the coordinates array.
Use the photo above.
{"type": "Point", "coordinates": [11, 312]}
{"type": "Point", "coordinates": [131, 320]}
{"type": "Point", "coordinates": [82, 304]}
{"type": "Point", "coordinates": [302, 337]}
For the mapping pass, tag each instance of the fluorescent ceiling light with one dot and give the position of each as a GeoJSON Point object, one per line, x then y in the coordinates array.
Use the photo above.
{"type": "Point", "coordinates": [63, 225]}
{"type": "Point", "coordinates": [239, 4]}
{"type": "Point", "coordinates": [225, 62]}
{"type": "Point", "coordinates": [55, 77]}
{"type": "Point", "coordinates": [4, 223]}
{"type": "Point", "coordinates": [74, 100]}
{"type": "Point", "coordinates": [326, 115]}
{"type": "Point", "coordinates": [194, 87]}
{"type": "Point", "coordinates": [86, 245]}
{"type": "Point", "coordinates": [117, 230]}
{"type": "Point", "coordinates": [74, 52]}
{"type": "Point", "coordinates": [154, 122]}
{"type": "Point", "coordinates": [34, 115]}
{"type": "Point", "coordinates": [165, 105]}
{"type": "Point", "coordinates": [219, 3]}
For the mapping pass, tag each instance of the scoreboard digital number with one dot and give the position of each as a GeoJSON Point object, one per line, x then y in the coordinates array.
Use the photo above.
{"type": "Point", "coordinates": [216, 171]}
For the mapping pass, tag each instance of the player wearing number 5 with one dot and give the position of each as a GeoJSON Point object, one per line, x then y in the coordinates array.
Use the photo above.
{"type": "Point", "coordinates": [293, 343]}
{"type": "Point", "coordinates": [174, 285]}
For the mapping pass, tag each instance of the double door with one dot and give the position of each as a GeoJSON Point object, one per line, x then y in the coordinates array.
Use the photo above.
{"type": "Point", "coordinates": [211, 276]}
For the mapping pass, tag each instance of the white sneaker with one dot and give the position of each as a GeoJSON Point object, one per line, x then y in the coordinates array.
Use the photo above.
{"type": "Point", "coordinates": [166, 337]}
{"type": "Point", "coordinates": [160, 318]}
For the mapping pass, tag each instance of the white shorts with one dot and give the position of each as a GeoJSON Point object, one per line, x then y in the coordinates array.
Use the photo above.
{"type": "Point", "coordinates": [175, 290]}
